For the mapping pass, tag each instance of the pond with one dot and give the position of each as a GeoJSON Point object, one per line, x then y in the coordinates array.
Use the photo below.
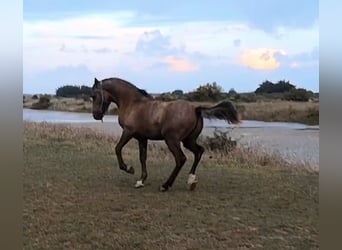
{"type": "Point", "coordinates": [74, 117]}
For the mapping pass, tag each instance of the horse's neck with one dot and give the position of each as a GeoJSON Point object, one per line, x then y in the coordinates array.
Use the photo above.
{"type": "Point", "coordinates": [123, 95]}
{"type": "Point", "coordinates": [128, 97]}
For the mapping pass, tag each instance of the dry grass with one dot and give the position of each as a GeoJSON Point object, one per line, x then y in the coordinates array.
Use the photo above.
{"type": "Point", "coordinates": [283, 111]}
{"type": "Point", "coordinates": [75, 197]}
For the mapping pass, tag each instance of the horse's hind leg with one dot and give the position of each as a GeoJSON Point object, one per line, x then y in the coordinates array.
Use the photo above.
{"type": "Point", "coordinates": [142, 156]}
{"type": "Point", "coordinates": [191, 144]}
{"type": "Point", "coordinates": [197, 150]}
{"type": "Point", "coordinates": [175, 148]}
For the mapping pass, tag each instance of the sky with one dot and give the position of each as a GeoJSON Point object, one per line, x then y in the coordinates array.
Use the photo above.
{"type": "Point", "coordinates": [161, 46]}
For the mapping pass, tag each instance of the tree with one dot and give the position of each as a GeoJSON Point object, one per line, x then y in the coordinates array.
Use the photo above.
{"type": "Point", "coordinates": [268, 87]}
{"type": "Point", "coordinates": [178, 92]}
{"type": "Point", "coordinates": [73, 91]}
{"type": "Point", "coordinates": [232, 93]}
{"type": "Point", "coordinates": [207, 92]}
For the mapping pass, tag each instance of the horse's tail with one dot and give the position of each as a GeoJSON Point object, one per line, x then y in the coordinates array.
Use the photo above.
{"type": "Point", "coordinates": [223, 111]}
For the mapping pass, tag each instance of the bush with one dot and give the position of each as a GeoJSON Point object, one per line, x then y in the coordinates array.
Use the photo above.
{"type": "Point", "coordinates": [247, 97]}
{"type": "Point", "coordinates": [73, 91]}
{"type": "Point", "coordinates": [300, 95]}
{"type": "Point", "coordinates": [269, 87]}
{"type": "Point", "coordinates": [312, 116]}
{"type": "Point", "coordinates": [165, 97]}
{"type": "Point", "coordinates": [43, 103]}
{"type": "Point", "coordinates": [221, 142]}
{"type": "Point", "coordinates": [208, 92]}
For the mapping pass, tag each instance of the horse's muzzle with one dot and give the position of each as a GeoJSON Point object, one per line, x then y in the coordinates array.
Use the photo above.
{"type": "Point", "coordinates": [98, 116]}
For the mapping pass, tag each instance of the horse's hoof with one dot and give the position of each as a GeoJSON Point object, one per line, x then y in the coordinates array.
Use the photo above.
{"type": "Point", "coordinates": [139, 184]}
{"type": "Point", "coordinates": [130, 170]}
{"type": "Point", "coordinates": [163, 189]}
{"type": "Point", "coordinates": [193, 186]}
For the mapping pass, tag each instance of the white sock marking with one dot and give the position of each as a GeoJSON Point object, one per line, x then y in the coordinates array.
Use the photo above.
{"type": "Point", "coordinates": [192, 179]}
{"type": "Point", "coordinates": [139, 183]}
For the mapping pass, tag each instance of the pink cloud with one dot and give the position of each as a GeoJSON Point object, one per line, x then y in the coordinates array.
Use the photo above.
{"type": "Point", "coordinates": [179, 64]}
{"type": "Point", "coordinates": [262, 58]}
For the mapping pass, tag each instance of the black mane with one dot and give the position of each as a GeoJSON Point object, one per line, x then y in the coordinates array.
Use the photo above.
{"type": "Point", "coordinates": [144, 92]}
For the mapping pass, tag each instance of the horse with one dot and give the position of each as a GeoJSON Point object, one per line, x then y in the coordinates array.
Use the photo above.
{"type": "Point", "coordinates": [144, 118]}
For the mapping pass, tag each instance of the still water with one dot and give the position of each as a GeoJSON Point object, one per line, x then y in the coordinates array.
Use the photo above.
{"type": "Point", "coordinates": [74, 117]}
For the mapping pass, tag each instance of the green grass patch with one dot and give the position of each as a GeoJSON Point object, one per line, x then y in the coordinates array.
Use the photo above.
{"type": "Point", "coordinates": [76, 197]}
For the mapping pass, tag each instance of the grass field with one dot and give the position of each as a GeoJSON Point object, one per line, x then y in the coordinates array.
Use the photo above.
{"type": "Point", "coordinates": [282, 111]}
{"type": "Point", "coordinates": [75, 197]}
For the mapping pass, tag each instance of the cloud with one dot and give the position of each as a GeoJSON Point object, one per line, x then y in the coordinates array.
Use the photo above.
{"type": "Point", "coordinates": [237, 42]}
{"type": "Point", "coordinates": [154, 43]}
{"type": "Point", "coordinates": [179, 64]}
{"type": "Point", "coordinates": [269, 15]}
{"type": "Point", "coordinates": [63, 48]}
{"type": "Point", "coordinates": [114, 45]}
{"type": "Point", "coordinates": [91, 37]}
{"type": "Point", "coordinates": [294, 65]}
{"type": "Point", "coordinates": [103, 50]}
{"type": "Point", "coordinates": [304, 59]}
{"type": "Point", "coordinates": [262, 58]}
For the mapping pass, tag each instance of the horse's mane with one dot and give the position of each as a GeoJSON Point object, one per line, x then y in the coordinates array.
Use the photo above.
{"type": "Point", "coordinates": [144, 92]}
{"type": "Point", "coordinates": [138, 90]}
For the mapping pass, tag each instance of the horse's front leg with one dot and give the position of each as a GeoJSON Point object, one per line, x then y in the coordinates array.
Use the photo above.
{"type": "Point", "coordinates": [142, 156]}
{"type": "Point", "coordinates": [125, 137]}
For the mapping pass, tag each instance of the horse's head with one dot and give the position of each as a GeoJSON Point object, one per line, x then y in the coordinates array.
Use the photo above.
{"type": "Point", "coordinates": [101, 100]}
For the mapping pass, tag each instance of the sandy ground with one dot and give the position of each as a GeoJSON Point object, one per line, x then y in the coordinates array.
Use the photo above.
{"type": "Point", "coordinates": [293, 145]}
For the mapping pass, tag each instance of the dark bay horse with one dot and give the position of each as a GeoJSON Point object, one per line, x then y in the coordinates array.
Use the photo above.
{"type": "Point", "coordinates": [144, 118]}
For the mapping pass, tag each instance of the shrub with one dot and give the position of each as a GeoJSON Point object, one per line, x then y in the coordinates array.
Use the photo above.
{"type": "Point", "coordinates": [312, 116]}
{"type": "Point", "coordinates": [269, 87]}
{"type": "Point", "coordinates": [247, 97]}
{"type": "Point", "coordinates": [73, 91]}
{"type": "Point", "coordinates": [43, 103]}
{"type": "Point", "coordinates": [208, 92]}
{"type": "Point", "coordinates": [221, 141]}
{"type": "Point", "coordinates": [300, 95]}
{"type": "Point", "coordinates": [166, 97]}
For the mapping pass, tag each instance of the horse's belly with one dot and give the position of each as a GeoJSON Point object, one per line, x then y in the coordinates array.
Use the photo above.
{"type": "Point", "coordinates": [152, 134]}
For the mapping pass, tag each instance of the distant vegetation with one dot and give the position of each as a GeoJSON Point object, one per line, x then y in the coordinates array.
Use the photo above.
{"type": "Point", "coordinates": [279, 87]}
{"type": "Point", "coordinates": [73, 91]}
{"type": "Point", "coordinates": [43, 102]}
{"type": "Point", "coordinates": [213, 92]}
{"type": "Point", "coordinates": [289, 103]}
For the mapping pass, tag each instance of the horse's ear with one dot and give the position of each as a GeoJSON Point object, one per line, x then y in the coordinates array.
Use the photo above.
{"type": "Point", "coordinates": [96, 83]}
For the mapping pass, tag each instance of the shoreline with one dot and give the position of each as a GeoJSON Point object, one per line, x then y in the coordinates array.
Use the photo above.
{"type": "Point", "coordinates": [294, 145]}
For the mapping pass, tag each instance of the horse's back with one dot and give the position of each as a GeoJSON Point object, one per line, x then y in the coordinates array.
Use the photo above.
{"type": "Point", "coordinates": [157, 119]}
{"type": "Point", "coordinates": [180, 116]}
